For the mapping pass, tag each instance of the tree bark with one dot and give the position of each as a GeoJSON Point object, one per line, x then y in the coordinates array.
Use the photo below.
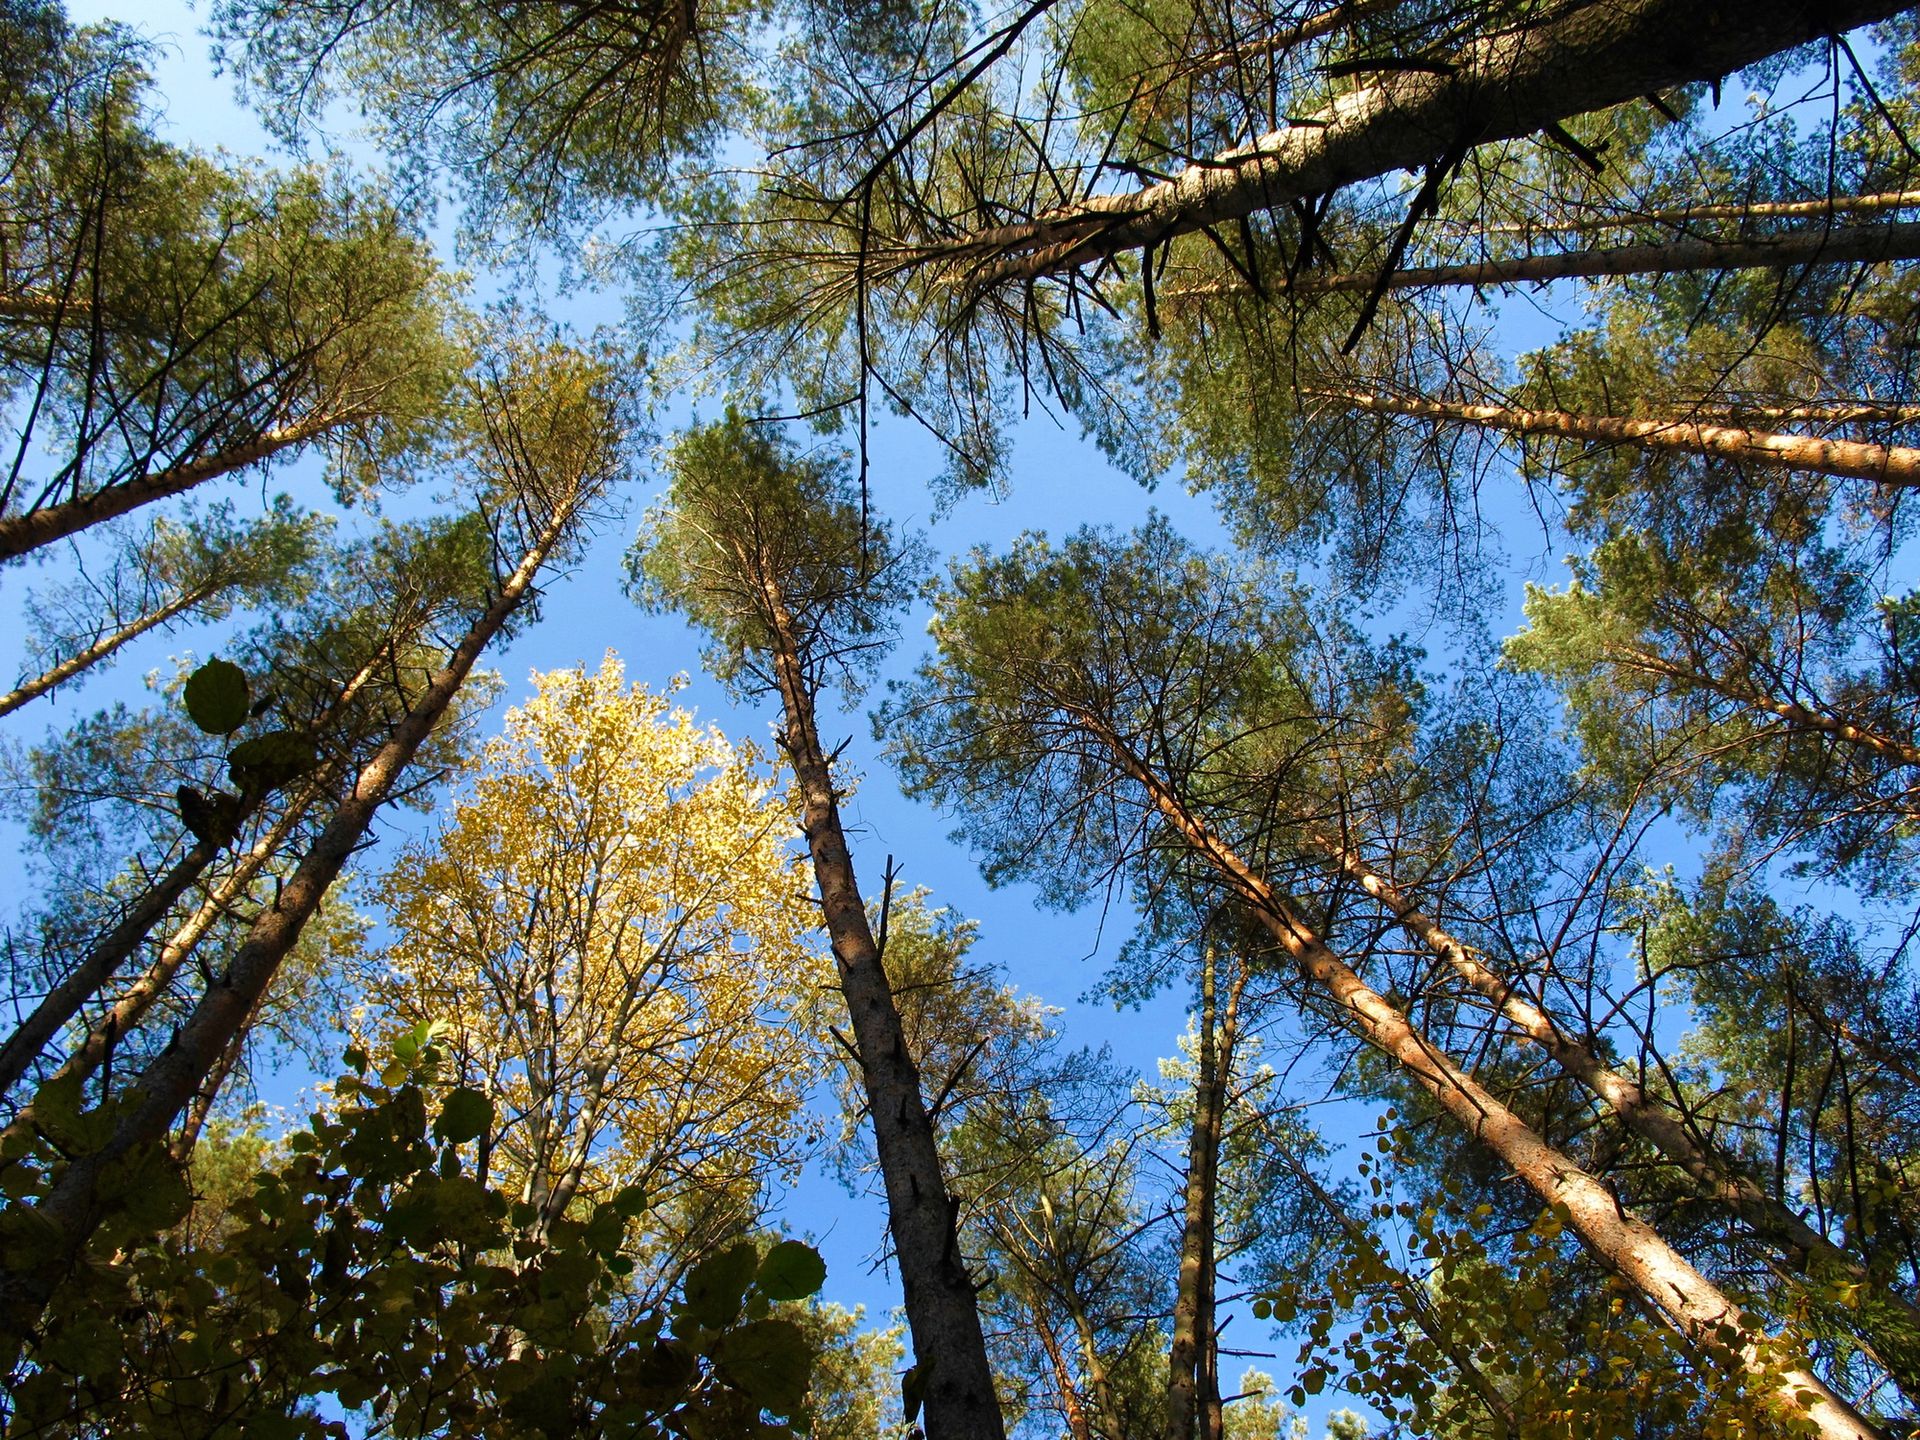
{"type": "Point", "coordinates": [103, 962]}
{"type": "Point", "coordinates": [25, 533]}
{"type": "Point", "coordinates": [1716, 1175]}
{"type": "Point", "coordinates": [949, 1348]}
{"type": "Point", "coordinates": [1203, 1151]}
{"type": "Point", "coordinates": [1192, 1392]}
{"type": "Point", "coordinates": [73, 1209]}
{"type": "Point", "coordinates": [103, 647]}
{"type": "Point", "coordinates": [1792, 715]}
{"type": "Point", "coordinates": [1863, 243]}
{"type": "Point", "coordinates": [1498, 87]}
{"type": "Point", "coordinates": [126, 1012]}
{"type": "Point", "coordinates": [1845, 459]}
{"type": "Point", "coordinates": [1617, 1239]}
{"type": "Point", "coordinates": [60, 1004]}
{"type": "Point", "coordinates": [1873, 204]}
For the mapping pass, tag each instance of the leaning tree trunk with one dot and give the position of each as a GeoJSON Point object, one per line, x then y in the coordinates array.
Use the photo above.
{"type": "Point", "coordinates": [950, 1351]}
{"type": "Point", "coordinates": [113, 950]}
{"type": "Point", "coordinates": [1890, 1321]}
{"type": "Point", "coordinates": [130, 1007]}
{"type": "Point", "coordinates": [1847, 459]}
{"type": "Point", "coordinates": [73, 1209]}
{"type": "Point", "coordinates": [24, 533]}
{"type": "Point", "coordinates": [80, 984]}
{"type": "Point", "coordinates": [1496, 87]}
{"type": "Point", "coordinates": [1861, 243]}
{"type": "Point", "coordinates": [1793, 717]}
{"type": "Point", "coordinates": [103, 647]}
{"type": "Point", "coordinates": [1876, 203]}
{"type": "Point", "coordinates": [1616, 1238]}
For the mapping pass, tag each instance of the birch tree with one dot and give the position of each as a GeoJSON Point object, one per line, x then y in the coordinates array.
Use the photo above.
{"type": "Point", "coordinates": [604, 928]}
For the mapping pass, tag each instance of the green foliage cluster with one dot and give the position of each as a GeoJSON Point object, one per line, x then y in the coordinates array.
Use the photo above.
{"type": "Point", "coordinates": [371, 1267]}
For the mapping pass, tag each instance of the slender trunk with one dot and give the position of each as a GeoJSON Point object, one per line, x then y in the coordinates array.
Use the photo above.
{"type": "Point", "coordinates": [23, 534]}
{"type": "Point", "coordinates": [102, 962]}
{"type": "Point", "coordinates": [1498, 87]}
{"type": "Point", "coordinates": [1864, 243]}
{"type": "Point", "coordinates": [1321, 22]}
{"type": "Point", "coordinates": [1072, 1408]}
{"type": "Point", "coordinates": [1892, 1322]}
{"type": "Point", "coordinates": [73, 1209]}
{"type": "Point", "coordinates": [949, 1349]}
{"type": "Point", "coordinates": [130, 1008]}
{"type": "Point", "coordinates": [1796, 716]}
{"type": "Point", "coordinates": [1840, 412]}
{"type": "Point", "coordinates": [1619, 1240]}
{"type": "Point", "coordinates": [1848, 459]}
{"type": "Point", "coordinates": [103, 647]}
{"type": "Point", "coordinates": [1874, 204]}
{"type": "Point", "coordinates": [1203, 1153]}
{"type": "Point", "coordinates": [180, 1148]}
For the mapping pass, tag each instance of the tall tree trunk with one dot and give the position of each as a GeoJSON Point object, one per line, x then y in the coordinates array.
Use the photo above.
{"type": "Point", "coordinates": [103, 962]}
{"type": "Point", "coordinates": [1793, 716]}
{"type": "Point", "coordinates": [1862, 243]}
{"type": "Point", "coordinates": [1192, 1360]}
{"type": "Point", "coordinates": [949, 1348]}
{"type": "Point", "coordinates": [103, 647]}
{"type": "Point", "coordinates": [1617, 1239]}
{"type": "Point", "coordinates": [73, 1209]}
{"type": "Point", "coordinates": [1874, 204]}
{"type": "Point", "coordinates": [60, 1004]}
{"type": "Point", "coordinates": [1892, 1322]}
{"type": "Point", "coordinates": [1497, 87]}
{"type": "Point", "coordinates": [1321, 22]}
{"type": "Point", "coordinates": [1203, 1151]}
{"type": "Point", "coordinates": [130, 1008]}
{"type": "Point", "coordinates": [1848, 459]}
{"type": "Point", "coordinates": [25, 533]}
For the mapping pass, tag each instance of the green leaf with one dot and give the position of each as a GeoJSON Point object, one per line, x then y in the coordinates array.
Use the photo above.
{"type": "Point", "coordinates": [466, 1115]}
{"type": "Point", "coordinates": [718, 1283]}
{"type": "Point", "coordinates": [792, 1271]}
{"type": "Point", "coordinates": [768, 1361]}
{"type": "Point", "coordinates": [269, 761]}
{"type": "Point", "coordinates": [216, 697]}
{"type": "Point", "coordinates": [629, 1202]}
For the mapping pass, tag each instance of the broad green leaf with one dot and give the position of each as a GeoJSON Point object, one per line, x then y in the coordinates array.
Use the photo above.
{"type": "Point", "coordinates": [269, 761]}
{"type": "Point", "coordinates": [768, 1361]}
{"type": "Point", "coordinates": [216, 697]}
{"type": "Point", "coordinates": [792, 1271]}
{"type": "Point", "coordinates": [718, 1284]}
{"type": "Point", "coordinates": [465, 1116]}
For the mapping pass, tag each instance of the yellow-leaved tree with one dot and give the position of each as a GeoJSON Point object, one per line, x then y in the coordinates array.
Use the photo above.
{"type": "Point", "coordinates": [610, 928]}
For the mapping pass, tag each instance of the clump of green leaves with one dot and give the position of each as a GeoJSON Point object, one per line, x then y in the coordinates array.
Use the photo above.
{"type": "Point", "coordinates": [375, 1270]}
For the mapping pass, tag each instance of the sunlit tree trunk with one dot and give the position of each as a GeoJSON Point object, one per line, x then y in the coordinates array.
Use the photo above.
{"type": "Point", "coordinates": [1847, 459]}
{"type": "Point", "coordinates": [1715, 1174]}
{"type": "Point", "coordinates": [1865, 243]}
{"type": "Point", "coordinates": [24, 533]}
{"type": "Point", "coordinates": [942, 1313]}
{"type": "Point", "coordinates": [1617, 1239]}
{"type": "Point", "coordinates": [103, 647]}
{"type": "Point", "coordinates": [1877, 203]}
{"type": "Point", "coordinates": [1498, 87]}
